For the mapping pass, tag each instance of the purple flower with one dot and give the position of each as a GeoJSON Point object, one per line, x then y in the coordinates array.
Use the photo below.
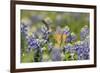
{"type": "Point", "coordinates": [45, 33]}
{"type": "Point", "coordinates": [56, 54]}
{"type": "Point", "coordinates": [67, 31]}
{"type": "Point", "coordinates": [33, 43]}
{"type": "Point", "coordinates": [72, 37]}
{"type": "Point", "coordinates": [84, 32]}
{"type": "Point", "coordinates": [82, 50]}
{"type": "Point", "coordinates": [68, 47]}
{"type": "Point", "coordinates": [24, 29]}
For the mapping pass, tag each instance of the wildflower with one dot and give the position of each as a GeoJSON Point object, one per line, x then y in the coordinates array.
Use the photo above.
{"type": "Point", "coordinates": [82, 50]}
{"type": "Point", "coordinates": [70, 50]}
{"type": "Point", "coordinates": [68, 47]}
{"type": "Point", "coordinates": [70, 36]}
{"type": "Point", "coordinates": [84, 32]}
{"type": "Point", "coordinates": [24, 29]}
{"type": "Point", "coordinates": [33, 43]}
{"type": "Point", "coordinates": [67, 30]}
{"type": "Point", "coordinates": [56, 54]}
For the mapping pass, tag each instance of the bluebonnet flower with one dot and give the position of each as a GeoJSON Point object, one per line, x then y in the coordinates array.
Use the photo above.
{"type": "Point", "coordinates": [56, 54]}
{"type": "Point", "coordinates": [79, 49]}
{"type": "Point", "coordinates": [86, 56]}
{"type": "Point", "coordinates": [45, 33]}
{"type": "Point", "coordinates": [33, 43]}
{"type": "Point", "coordinates": [24, 29]}
{"type": "Point", "coordinates": [86, 44]}
{"type": "Point", "coordinates": [82, 50]}
{"type": "Point", "coordinates": [86, 41]}
{"type": "Point", "coordinates": [68, 47]}
{"type": "Point", "coordinates": [67, 30]}
{"type": "Point", "coordinates": [84, 32]}
{"type": "Point", "coordinates": [68, 40]}
{"type": "Point", "coordinates": [72, 37]}
{"type": "Point", "coordinates": [42, 34]}
{"type": "Point", "coordinates": [86, 48]}
{"type": "Point", "coordinates": [43, 29]}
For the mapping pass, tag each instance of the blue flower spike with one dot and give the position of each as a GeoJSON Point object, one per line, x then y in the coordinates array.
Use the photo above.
{"type": "Point", "coordinates": [84, 32]}
{"type": "Point", "coordinates": [73, 37]}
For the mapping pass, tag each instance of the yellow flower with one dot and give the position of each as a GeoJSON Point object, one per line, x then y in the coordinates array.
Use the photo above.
{"type": "Point", "coordinates": [64, 37]}
{"type": "Point", "coordinates": [60, 39]}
